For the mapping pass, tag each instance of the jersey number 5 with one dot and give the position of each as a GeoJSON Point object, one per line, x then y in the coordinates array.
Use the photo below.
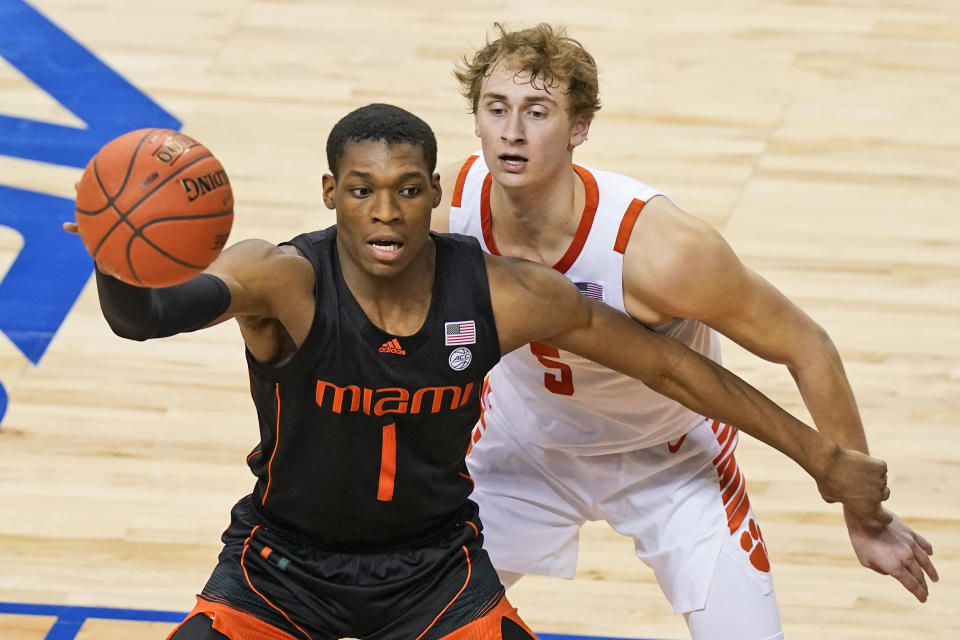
{"type": "Point", "coordinates": [561, 384]}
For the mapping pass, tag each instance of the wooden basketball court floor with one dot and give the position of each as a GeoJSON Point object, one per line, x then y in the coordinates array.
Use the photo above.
{"type": "Point", "coordinates": [821, 137]}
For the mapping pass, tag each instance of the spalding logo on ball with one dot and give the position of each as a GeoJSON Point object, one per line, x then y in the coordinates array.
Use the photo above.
{"type": "Point", "coordinates": [155, 206]}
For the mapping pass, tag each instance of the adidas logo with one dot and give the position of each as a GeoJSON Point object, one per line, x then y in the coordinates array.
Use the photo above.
{"type": "Point", "coordinates": [392, 346]}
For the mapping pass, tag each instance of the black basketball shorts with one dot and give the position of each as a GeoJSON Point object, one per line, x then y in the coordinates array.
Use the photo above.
{"type": "Point", "coordinates": [284, 587]}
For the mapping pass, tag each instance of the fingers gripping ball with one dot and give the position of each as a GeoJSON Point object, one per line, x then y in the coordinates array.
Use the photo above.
{"type": "Point", "coordinates": [155, 207]}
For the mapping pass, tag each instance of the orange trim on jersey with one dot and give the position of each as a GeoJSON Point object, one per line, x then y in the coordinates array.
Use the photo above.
{"type": "Point", "coordinates": [592, 200]}
{"type": "Point", "coordinates": [626, 225]}
{"type": "Point", "coordinates": [463, 475]}
{"type": "Point", "coordinates": [265, 552]}
{"type": "Point", "coordinates": [388, 463]}
{"type": "Point", "coordinates": [461, 180]}
{"type": "Point", "coordinates": [486, 222]}
{"type": "Point", "coordinates": [592, 193]}
{"type": "Point", "coordinates": [276, 444]}
{"type": "Point", "coordinates": [465, 583]}
{"type": "Point", "coordinates": [246, 576]}
{"type": "Point", "coordinates": [249, 457]}
{"type": "Point", "coordinates": [233, 623]}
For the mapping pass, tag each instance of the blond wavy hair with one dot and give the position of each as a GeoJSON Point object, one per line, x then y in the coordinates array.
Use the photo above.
{"type": "Point", "coordinates": [545, 52]}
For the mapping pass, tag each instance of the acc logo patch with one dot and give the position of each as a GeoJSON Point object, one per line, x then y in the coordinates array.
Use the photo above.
{"type": "Point", "coordinates": [460, 358]}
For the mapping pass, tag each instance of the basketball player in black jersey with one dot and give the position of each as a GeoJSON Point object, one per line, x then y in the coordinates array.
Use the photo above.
{"type": "Point", "coordinates": [367, 346]}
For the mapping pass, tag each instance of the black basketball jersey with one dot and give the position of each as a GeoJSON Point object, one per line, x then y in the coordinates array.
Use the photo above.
{"type": "Point", "coordinates": [363, 433]}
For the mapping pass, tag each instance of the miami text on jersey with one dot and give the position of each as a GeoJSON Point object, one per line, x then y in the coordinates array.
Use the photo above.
{"type": "Point", "coordinates": [391, 399]}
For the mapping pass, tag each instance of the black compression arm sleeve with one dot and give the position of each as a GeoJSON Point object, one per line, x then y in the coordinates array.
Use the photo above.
{"type": "Point", "coordinates": [140, 313]}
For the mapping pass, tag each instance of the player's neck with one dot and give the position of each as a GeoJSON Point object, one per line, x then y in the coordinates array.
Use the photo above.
{"type": "Point", "coordinates": [397, 304]}
{"type": "Point", "coordinates": [537, 221]}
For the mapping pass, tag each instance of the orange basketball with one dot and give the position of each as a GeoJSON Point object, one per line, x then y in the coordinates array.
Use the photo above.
{"type": "Point", "coordinates": [155, 206]}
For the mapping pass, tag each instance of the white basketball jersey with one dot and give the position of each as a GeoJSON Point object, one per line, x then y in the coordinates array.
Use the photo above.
{"type": "Point", "coordinates": [558, 400]}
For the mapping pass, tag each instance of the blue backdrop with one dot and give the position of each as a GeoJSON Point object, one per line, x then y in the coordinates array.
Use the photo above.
{"type": "Point", "coordinates": [52, 267]}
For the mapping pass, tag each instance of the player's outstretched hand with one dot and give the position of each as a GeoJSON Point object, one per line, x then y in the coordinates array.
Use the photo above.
{"type": "Point", "coordinates": [893, 549]}
{"type": "Point", "coordinates": [858, 481]}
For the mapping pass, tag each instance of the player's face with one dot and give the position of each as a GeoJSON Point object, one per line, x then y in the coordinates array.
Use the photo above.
{"type": "Point", "coordinates": [525, 130]}
{"type": "Point", "coordinates": [383, 199]}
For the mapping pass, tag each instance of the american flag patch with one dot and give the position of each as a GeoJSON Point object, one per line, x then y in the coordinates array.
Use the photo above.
{"type": "Point", "coordinates": [464, 332]}
{"type": "Point", "coordinates": [591, 290]}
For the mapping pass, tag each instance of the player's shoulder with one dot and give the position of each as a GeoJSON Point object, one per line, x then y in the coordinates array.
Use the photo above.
{"type": "Point", "coordinates": [263, 274]}
{"type": "Point", "coordinates": [669, 248]}
{"type": "Point", "coordinates": [663, 221]}
{"type": "Point", "coordinates": [254, 256]}
{"type": "Point", "coordinates": [321, 239]}
{"type": "Point", "coordinates": [455, 173]}
{"type": "Point", "coordinates": [457, 246]}
{"type": "Point", "coordinates": [460, 183]}
{"type": "Point", "coordinates": [457, 240]}
{"type": "Point", "coordinates": [250, 250]}
{"type": "Point", "coordinates": [614, 187]}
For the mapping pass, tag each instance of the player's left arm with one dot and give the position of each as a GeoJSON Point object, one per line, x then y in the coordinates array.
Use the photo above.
{"type": "Point", "coordinates": [695, 274]}
{"type": "Point", "coordinates": [532, 302]}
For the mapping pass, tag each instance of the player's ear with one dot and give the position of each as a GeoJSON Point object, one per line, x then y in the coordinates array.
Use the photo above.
{"type": "Point", "coordinates": [579, 130]}
{"type": "Point", "coordinates": [329, 191]}
{"type": "Point", "coordinates": [437, 191]}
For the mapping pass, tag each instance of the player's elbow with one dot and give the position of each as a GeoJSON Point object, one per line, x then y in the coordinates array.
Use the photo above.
{"type": "Point", "coordinates": [132, 319]}
{"type": "Point", "coordinates": [815, 348]}
{"type": "Point", "coordinates": [129, 330]}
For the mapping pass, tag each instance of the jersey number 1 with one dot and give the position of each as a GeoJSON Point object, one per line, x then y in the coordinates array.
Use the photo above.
{"type": "Point", "coordinates": [561, 384]}
{"type": "Point", "coordinates": [388, 463]}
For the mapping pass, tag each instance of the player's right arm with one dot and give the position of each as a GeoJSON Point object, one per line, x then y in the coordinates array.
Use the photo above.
{"type": "Point", "coordinates": [266, 288]}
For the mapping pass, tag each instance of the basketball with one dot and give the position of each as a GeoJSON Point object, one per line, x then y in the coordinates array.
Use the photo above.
{"type": "Point", "coordinates": [155, 206]}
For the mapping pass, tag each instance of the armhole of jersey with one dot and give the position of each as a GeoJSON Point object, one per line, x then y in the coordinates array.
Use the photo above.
{"type": "Point", "coordinates": [305, 244]}
{"type": "Point", "coordinates": [461, 180]}
{"type": "Point", "coordinates": [488, 302]}
{"type": "Point", "coordinates": [626, 225]}
{"type": "Point", "coordinates": [307, 248]}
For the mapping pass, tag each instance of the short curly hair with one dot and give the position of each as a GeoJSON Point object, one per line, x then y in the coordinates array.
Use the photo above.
{"type": "Point", "coordinates": [380, 122]}
{"type": "Point", "coordinates": [547, 54]}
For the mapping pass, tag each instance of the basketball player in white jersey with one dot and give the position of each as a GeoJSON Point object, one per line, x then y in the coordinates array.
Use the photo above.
{"type": "Point", "coordinates": [563, 440]}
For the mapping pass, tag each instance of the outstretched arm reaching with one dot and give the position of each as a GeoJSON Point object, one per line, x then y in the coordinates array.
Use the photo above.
{"type": "Point", "coordinates": [534, 303]}
{"type": "Point", "coordinates": [268, 289]}
{"type": "Point", "coordinates": [693, 273]}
